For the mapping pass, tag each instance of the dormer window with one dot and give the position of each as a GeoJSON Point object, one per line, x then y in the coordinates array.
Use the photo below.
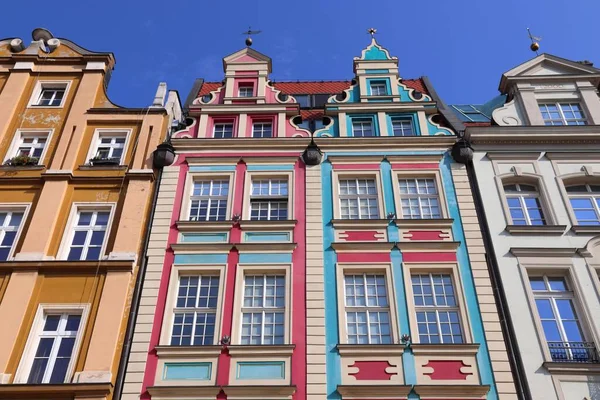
{"type": "Point", "coordinates": [378, 88]}
{"type": "Point", "coordinates": [562, 114]}
{"type": "Point", "coordinates": [246, 90]}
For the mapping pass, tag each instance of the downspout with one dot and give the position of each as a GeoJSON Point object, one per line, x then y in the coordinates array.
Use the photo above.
{"type": "Point", "coordinates": [463, 153]}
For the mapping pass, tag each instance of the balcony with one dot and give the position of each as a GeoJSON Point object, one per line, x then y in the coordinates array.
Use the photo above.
{"type": "Point", "coordinates": [573, 352]}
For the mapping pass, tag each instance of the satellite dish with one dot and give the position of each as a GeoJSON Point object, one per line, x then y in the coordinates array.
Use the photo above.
{"type": "Point", "coordinates": [41, 34]}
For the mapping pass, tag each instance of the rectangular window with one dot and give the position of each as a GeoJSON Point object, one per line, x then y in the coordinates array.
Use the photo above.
{"type": "Point", "coordinates": [358, 199]}
{"type": "Point", "coordinates": [263, 310]}
{"type": "Point", "coordinates": [524, 204]}
{"type": "Point", "coordinates": [223, 130]}
{"type": "Point", "coordinates": [54, 348]}
{"type": "Point", "coordinates": [246, 90]}
{"type": "Point", "coordinates": [419, 198]}
{"type": "Point", "coordinates": [562, 114]}
{"type": "Point", "coordinates": [362, 127]}
{"type": "Point", "coordinates": [269, 200]}
{"type": "Point", "coordinates": [209, 200]}
{"type": "Point", "coordinates": [378, 88]}
{"type": "Point", "coordinates": [367, 309]}
{"type": "Point", "coordinates": [303, 100]}
{"type": "Point", "coordinates": [109, 147]}
{"type": "Point", "coordinates": [10, 221]}
{"type": "Point", "coordinates": [50, 96]}
{"type": "Point", "coordinates": [437, 312]}
{"type": "Point", "coordinates": [555, 303]}
{"type": "Point", "coordinates": [262, 129]}
{"type": "Point", "coordinates": [195, 311]}
{"type": "Point", "coordinates": [30, 144]}
{"type": "Point", "coordinates": [403, 127]}
{"type": "Point", "coordinates": [88, 234]}
{"type": "Point", "coordinates": [585, 201]}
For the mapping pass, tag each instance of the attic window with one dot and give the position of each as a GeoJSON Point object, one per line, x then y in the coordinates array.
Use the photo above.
{"type": "Point", "coordinates": [471, 113]}
{"type": "Point", "coordinates": [246, 90]}
{"type": "Point", "coordinates": [49, 94]}
{"type": "Point", "coordinates": [378, 88]}
{"type": "Point", "coordinates": [562, 114]}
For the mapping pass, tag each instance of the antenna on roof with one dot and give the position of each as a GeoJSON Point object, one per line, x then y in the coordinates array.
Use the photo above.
{"type": "Point", "coordinates": [250, 32]}
{"type": "Point", "coordinates": [535, 46]}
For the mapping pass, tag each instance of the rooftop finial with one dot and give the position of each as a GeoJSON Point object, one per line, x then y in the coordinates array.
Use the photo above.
{"type": "Point", "coordinates": [250, 32]}
{"type": "Point", "coordinates": [535, 46]}
{"type": "Point", "coordinates": [372, 32]}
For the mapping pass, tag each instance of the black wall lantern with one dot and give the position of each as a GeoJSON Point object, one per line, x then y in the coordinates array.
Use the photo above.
{"type": "Point", "coordinates": [312, 155]}
{"type": "Point", "coordinates": [164, 155]}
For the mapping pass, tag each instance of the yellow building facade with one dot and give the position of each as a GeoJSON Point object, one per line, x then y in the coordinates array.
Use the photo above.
{"type": "Point", "coordinates": [76, 188]}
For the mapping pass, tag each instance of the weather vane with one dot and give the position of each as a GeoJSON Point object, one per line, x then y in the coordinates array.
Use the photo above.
{"type": "Point", "coordinates": [250, 32]}
{"type": "Point", "coordinates": [535, 46]}
{"type": "Point", "coordinates": [372, 32]}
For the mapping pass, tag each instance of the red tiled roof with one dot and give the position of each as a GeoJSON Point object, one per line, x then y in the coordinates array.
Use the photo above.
{"type": "Point", "coordinates": [416, 84]}
{"type": "Point", "coordinates": [208, 87]}
{"type": "Point", "coordinates": [309, 115]}
{"type": "Point", "coordinates": [323, 87]}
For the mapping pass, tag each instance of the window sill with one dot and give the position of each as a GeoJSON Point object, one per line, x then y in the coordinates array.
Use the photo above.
{"type": "Point", "coordinates": [259, 391]}
{"type": "Point", "coordinates": [452, 391]}
{"type": "Point", "coordinates": [571, 367]}
{"type": "Point", "coordinates": [193, 226]}
{"type": "Point", "coordinates": [435, 223]}
{"type": "Point", "coordinates": [21, 167]}
{"type": "Point", "coordinates": [247, 224]}
{"type": "Point", "coordinates": [586, 229]}
{"type": "Point", "coordinates": [89, 167]}
{"type": "Point", "coordinates": [66, 266]}
{"type": "Point", "coordinates": [261, 350]}
{"type": "Point", "coordinates": [370, 349]}
{"type": "Point", "coordinates": [359, 223]}
{"type": "Point", "coordinates": [63, 390]}
{"type": "Point", "coordinates": [182, 248]}
{"type": "Point", "coordinates": [188, 351]}
{"type": "Point", "coordinates": [366, 391]}
{"type": "Point", "coordinates": [364, 246]}
{"type": "Point", "coordinates": [549, 230]}
{"type": "Point", "coordinates": [184, 391]}
{"type": "Point", "coordinates": [445, 349]}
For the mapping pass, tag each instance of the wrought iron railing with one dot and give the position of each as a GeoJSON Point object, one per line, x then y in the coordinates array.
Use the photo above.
{"type": "Point", "coordinates": [579, 352]}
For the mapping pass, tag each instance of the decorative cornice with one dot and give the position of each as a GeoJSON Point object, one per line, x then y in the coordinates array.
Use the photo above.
{"type": "Point", "coordinates": [203, 226]}
{"type": "Point", "coordinates": [264, 350]}
{"type": "Point", "coordinates": [363, 247]}
{"type": "Point", "coordinates": [63, 390]}
{"type": "Point", "coordinates": [173, 392]}
{"type": "Point", "coordinates": [370, 349]}
{"type": "Point", "coordinates": [442, 223]}
{"type": "Point", "coordinates": [188, 351]}
{"type": "Point", "coordinates": [513, 155]}
{"type": "Point", "coordinates": [543, 252]}
{"type": "Point", "coordinates": [482, 135]}
{"type": "Point", "coordinates": [461, 390]}
{"type": "Point", "coordinates": [247, 225]}
{"type": "Point", "coordinates": [424, 245]}
{"type": "Point", "coordinates": [64, 266]}
{"type": "Point", "coordinates": [272, 391]}
{"type": "Point", "coordinates": [570, 368]}
{"type": "Point", "coordinates": [547, 230]}
{"type": "Point", "coordinates": [586, 229]}
{"type": "Point", "coordinates": [335, 108]}
{"type": "Point", "coordinates": [377, 391]}
{"type": "Point", "coordinates": [445, 349]}
{"type": "Point", "coordinates": [572, 155]}
{"type": "Point", "coordinates": [360, 223]}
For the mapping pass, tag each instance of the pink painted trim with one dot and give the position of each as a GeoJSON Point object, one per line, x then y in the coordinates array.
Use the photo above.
{"type": "Point", "coordinates": [246, 73]}
{"type": "Point", "coordinates": [415, 166]}
{"type": "Point", "coordinates": [262, 118]}
{"type": "Point", "coordinates": [363, 257]}
{"type": "Point", "coordinates": [212, 121]}
{"type": "Point", "coordinates": [447, 370]}
{"type": "Point", "coordinates": [245, 58]}
{"type": "Point", "coordinates": [372, 371]}
{"type": "Point", "coordinates": [242, 82]}
{"type": "Point", "coordinates": [358, 167]}
{"type": "Point", "coordinates": [238, 155]}
{"type": "Point", "coordinates": [366, 236]}
{"type": "Point", "coordinates": [428, 256]}
{"type": "Point", "coordinates": [298, 292]}
{"type": "Point", "coordinates": [161, 300]}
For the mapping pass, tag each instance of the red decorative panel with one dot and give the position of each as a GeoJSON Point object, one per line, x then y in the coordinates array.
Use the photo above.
{"type": "Point", "coordinates": [426, 235]}
{"type": "Point", "coordinates": [360, 235]}
{"type": "Point", "coordinates": [357, 167]}
{"type": "Point", "coordinates": [428, 256]}
{"type": "Point", "coordinates": [447, 370]}
{"type": "Point", "coordinates": [372, 371]}
{"type": "Point", "coordinates": [415, 166]}
{"type": "Point", "coordinates": [363, 257]}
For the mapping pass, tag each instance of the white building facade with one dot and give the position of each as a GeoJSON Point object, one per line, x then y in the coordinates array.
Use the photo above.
{"type": "Point", "coordinates": [537, 171]}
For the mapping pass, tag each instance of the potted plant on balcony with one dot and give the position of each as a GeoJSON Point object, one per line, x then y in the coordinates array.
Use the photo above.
{"type": "Point", "coordinates": [22, 161]}
{"type": "Point", "coordinates": [104, 161]}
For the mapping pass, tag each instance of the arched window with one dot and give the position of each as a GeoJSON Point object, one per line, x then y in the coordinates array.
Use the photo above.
{"type": "Point", "coordinates": [524, 204]}
{"type": "Point", "coordinates": [585, 202]}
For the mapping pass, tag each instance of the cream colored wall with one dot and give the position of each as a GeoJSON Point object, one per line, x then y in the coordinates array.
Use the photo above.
{"type": "Point", "coordinates": [156, 254]}
{"type": "Point", "coordinates": [483, 285]}
{"type": "Point", "coordinates": [316, 386]}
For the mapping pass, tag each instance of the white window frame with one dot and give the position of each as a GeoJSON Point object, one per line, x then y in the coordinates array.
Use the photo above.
{"type": "Point", "coordinates": [404, 175]}
{"type": "Point", "coordinates": [563, 119]}
{"type": "Point", "coordinates": [100, 132]}
{"type": "Point", "coordinates": [223, 123]}
{"type": "Point", "coordinates": [379, 84]}
{"type": "Point", "coordinates": [210, 198]}
{"type": "Point", "coordinates": [262, 130]}
{"type": "Point", "coordinates": [48, 85]}
{"type": "Point", "coordinates": [243, 87]}
{"type": "Point", "coordinates": [18, 138]}
{"type": "Point", "coordinates": [339, 175]}
{"type": "Point", "coordinates": [263, 269]}
{"type": "Point", "coordinates": [69, 231]}
{"type": "Point", "coordinates": [206, 176]}
{"type": "Point", "coordinates": [358, 197]}
{"type": "Point", "coordinates": [521, 195]}
{"type": "Point", "coordinates": [362, 121]}
{"type": "Point", "coordinates": [403, 121]}
{"type": "Point", "coordinates": [33, 339]}
{"type": "Point", "coordinates": [15, 207]}
{"type": "Point", "coordinates": [267, 175]}
{"type": "Point", "coordinates": [593, 196]}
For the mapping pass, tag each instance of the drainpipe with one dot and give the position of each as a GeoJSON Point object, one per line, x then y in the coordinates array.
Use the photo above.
{"type": "Point", "coordinates": [163, 156]}
{"type": "Point", "coordinates": [463, 154]}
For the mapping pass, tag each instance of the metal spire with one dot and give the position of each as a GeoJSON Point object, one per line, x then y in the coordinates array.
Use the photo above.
{"type": "Point", "coordinates": [249, 33]}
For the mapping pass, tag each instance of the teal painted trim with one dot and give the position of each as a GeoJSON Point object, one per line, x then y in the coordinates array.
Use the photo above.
{"type": "Point", "coordinates": [375, 53]}
{"type": "Point", "coordinates": [200, 259]}
{"type": "Point", "coordinates": [377, 71]}
{"type": "Point", "coordinates": [412, 117]}
{"type": "Point", "coordinates": [260, 370]}
{"type": "Point", "coordinates": [193, 371]}
{"type": "Point", "coordinates": [200, 168]}
{"type": "Point", "coordinates": [408, 359]}
{"type": "Point", "coordinates": [435, 129]}
{"type": "Point", "coordinates": [330, 131]}
{"type": "Point", "coordinates": [483, 358]}
{"type": "Point", "coordinates": [288, 167]}
{"type": "Point", "coordinates": [203, 237]}
{"type": "Point", "coordinates": [332, 357]}
{"type": "Point", "coordinates": [256, 258]}
{"type": "Point", "coordinates": [388, 184]}
{"type": "Point", "coordinates": [267, 237]}
{"type": "Point", "coordinates": [372, 117]}
{"type": "Point", "coordinates": [388, 88]}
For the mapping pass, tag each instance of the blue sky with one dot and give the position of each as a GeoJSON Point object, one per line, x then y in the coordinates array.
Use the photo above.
{"type": "Point", "coordinates": [463, 46]}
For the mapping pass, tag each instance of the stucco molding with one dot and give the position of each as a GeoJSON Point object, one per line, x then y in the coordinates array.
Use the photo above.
{"type": "Point", "coordinates": [558, 368]}
{"type": "Point", "coordinates": [92, 377]}
{"type": "Point", "coordinates": [259, 391]}
{"type": "Point", "coordinates": [440, 223]}
{"type": "Point", "coordinates": [573, 156]}
{"type": "Point", "coordinates": [60, 266]}
{"type": "Point", "coordinates": [175, 392]}
{"type": "Point", "coordinates": [62, 390]}
{"type": "Point", "coordinates": [444, 349]}
{"type": "Point", "coordinates": [557, 230]}
{"type": "Point", "coordinates": [513, 155]}
{"type": "Point", "coordinates": [468, 391]}
{"type": "Point", "coordinates": [379, 391]}
{"type": "Point", "coordinates": [543, 252]}
{"type": "Point", "coordinates": [202, 226]}
{"type": "Point", "coordinates": [271, 350]}
{"type": "Point", "coordinates": [583, 134]}
{"type": "Point", "coordinates": [370, 350]}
